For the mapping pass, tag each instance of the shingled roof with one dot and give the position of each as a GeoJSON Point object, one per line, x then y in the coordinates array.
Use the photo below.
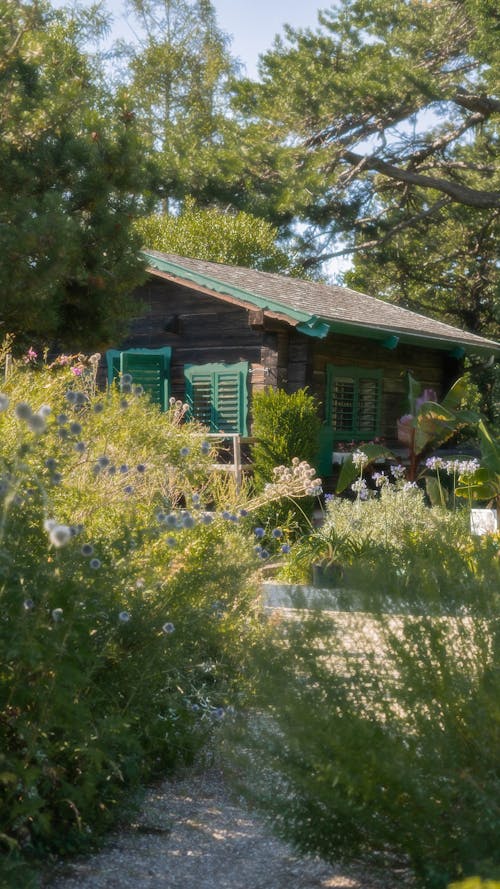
{"type": "Point", "coordinates": [316, 309]}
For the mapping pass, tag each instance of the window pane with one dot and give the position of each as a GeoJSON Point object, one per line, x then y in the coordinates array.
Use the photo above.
{"type": "Point", "coordinates": [343, 404]}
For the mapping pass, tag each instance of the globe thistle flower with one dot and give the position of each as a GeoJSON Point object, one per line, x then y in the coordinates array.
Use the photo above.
{"type": "Point", "coordinates": [140, 468]}
{"type": "Point", "coordinates": [124, 617]}
{"type": "Point", "coordinates": [59, 535]}
{"type": "Point", "coordinates": [36, 423]}
{"type": "Point", "coordinates": [184, 452]}
{"type": "Point", "coordinates": [51, 463]}
{"type": "Point", "coordinates": [123, 469]}
{"type": "Point", "coordinates": [259, 533]}
{"type": "Point", "coordinates": [286, 548]}
{"type": "Point", "coordinates": [168, 628]}
{"type": "Point", "coordinates": [4, 402]}
{"type": "Point", "coordinates": [171, 520]}
{"type": "Point", "coordinates": [128, 489]}
{"type": "Point", "coordinates": [205, 447]}
{"type": "Point", "coordinates": [75, 428]}
{"type": "Point", "coordinates": [61, 419]}
{"type": "Point", "coordinates": [277, 533]}
{"type": "Point", "coordinates": [95, 564]}
{"type": "Point", "coordinates": [28, 604]}
{"type": "Point", "coordinates": [87, 549]}
{"type": "Point", "coordinates": [57, 614]}
{"type": "Point", "coordinates": [98, 407]}
{"type": "Point", "coordinates": [23, 411]}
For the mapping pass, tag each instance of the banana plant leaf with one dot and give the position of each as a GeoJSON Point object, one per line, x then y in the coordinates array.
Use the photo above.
{"type": "Point", "coordinates": [349, 472]}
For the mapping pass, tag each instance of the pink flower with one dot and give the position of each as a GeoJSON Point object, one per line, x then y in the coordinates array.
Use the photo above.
{"type": "Point", "coordinates": [77, 371]}
{"type": "Point", "coordinates": [31, 355]}
{"type": "Point", "coordinates": [427, 395]}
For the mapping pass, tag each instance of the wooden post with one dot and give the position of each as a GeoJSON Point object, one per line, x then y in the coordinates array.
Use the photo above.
{"type": "Point", "coordinates": [237, 459]}
{"type": "Point", "coordinates": [8, 365]}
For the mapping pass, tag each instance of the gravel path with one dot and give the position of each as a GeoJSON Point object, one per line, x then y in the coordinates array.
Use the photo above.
{"type": "Point", "coordinates": [191, 834]}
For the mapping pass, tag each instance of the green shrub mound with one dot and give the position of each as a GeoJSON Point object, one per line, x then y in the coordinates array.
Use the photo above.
{"type": "Point", "coordinates": [377, 728]}
{"type": "Point", "coordinates": [126, 607]}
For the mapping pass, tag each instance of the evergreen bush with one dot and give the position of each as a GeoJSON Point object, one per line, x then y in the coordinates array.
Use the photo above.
{"type": "Point", "coordinates": [284, 427]}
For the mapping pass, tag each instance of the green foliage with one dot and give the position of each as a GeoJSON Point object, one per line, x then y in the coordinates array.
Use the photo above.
{"type": "Point", "coordinates": [342, 133]}
{"type": "Point", "coordinates": [126, 607]}
{"type": "Point", "coordinates": [484, 483]}
{"type": "Point", "coordinates": [180, 75]}
{"type": "Point", "coordinates": [233, 238]}
{"type": "Point", "coordinates": [377, 728]}
{"type": "Point", "coordinates": [73, 180]}
{"type": "Point", "coordinates": [284, 427]}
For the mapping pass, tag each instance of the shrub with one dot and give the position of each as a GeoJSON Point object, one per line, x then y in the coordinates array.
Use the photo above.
{"type": "Point", "coordinates": [378, 729]}
{"type": "Point", "coordinates": [126, 608]}
{"type": "Point", "coordinates": [284, 427]}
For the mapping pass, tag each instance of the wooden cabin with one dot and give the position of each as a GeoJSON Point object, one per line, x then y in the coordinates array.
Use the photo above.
{"type": "Point", "coordinates": [211, 335]}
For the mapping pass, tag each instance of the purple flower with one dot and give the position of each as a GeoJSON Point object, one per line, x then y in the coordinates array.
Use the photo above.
{"type": "Point", "coordinates": [259, 533]}
{"type": "Point", "coordinates": [427, 395]}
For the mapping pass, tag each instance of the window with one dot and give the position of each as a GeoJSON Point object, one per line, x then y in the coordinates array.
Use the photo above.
{"type": "Point", "coordinates": [353, 402]}
{"type": "Point", "coordinates": [217, 395]}
{"type": "Point", "coordinates": [149, 368]}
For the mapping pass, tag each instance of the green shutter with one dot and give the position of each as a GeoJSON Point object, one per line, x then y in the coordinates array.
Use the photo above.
{"type": "Point", "coordinates": [217, 395]}
{"type": "Point", "coordinates": [148, 368]}
{"type": "Point", "coordinates": [353, 402]}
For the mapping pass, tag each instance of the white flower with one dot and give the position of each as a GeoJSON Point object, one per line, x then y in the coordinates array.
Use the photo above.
{"type": "Point", "coordinates": [59, 535]}
{"type": "Point", "coordinates": [57, 614]}
{"type": "Point", "coordinates": [359, 459]}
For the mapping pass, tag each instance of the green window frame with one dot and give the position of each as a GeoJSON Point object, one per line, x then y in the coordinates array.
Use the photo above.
{"type": "Point", "coordinates": [149, 368]}
{"type": "Point", "coordinates": [353, 402]}
{"type": "Point", "coordinates": [217, 395]}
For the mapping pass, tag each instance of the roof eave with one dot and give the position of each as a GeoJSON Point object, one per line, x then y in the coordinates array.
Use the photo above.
{"type": "Point", "coordinates": [309, 324]}
{"type": "Point", "coordinates": [407, 337]}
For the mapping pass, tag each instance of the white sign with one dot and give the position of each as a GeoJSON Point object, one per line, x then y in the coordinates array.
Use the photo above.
{"type": "Point", "coordinates": [483, 521]}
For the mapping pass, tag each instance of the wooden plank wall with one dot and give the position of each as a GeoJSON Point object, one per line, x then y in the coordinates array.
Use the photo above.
{"type": "Point", "coordinates": [432, 367]}
{"type": "Point", "coordinates": [200, 330]}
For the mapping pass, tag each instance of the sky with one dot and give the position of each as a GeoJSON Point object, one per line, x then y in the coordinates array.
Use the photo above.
{"type": "Point", "coordinates": [251, 23]}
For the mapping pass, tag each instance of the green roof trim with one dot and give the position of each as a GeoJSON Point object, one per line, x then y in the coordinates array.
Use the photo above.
{"type": "Point", "coordinates": [313, 325]}
{"type": "Point", "coordinates": [314, 319]}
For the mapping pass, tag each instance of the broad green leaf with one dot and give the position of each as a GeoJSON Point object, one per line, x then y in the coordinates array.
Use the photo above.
{"type": "Point", "coordinates": [350, 472]}
{"type": "Point", "coordinates": [434, 424]}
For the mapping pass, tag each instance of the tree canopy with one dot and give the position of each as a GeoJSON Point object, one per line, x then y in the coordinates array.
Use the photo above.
{"type": "Point", "coordinates": [179, 76]}
{"type": "Point", "coordinates": [73, 179]}
{"type": "Point", "coordinates": [386, 113]}
{"type": "Point", "coordinates": [218, 236]}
